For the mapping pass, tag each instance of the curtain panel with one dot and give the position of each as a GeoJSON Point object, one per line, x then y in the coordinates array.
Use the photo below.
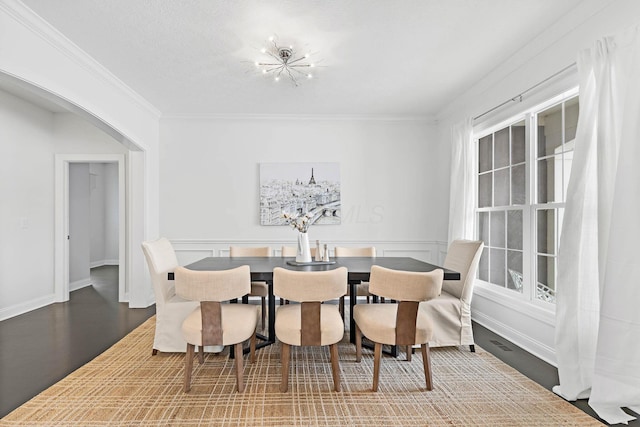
{"type": "Point", "coordinates": [598, 293]}
{"type": "Point", "coordinates": [462, 199]}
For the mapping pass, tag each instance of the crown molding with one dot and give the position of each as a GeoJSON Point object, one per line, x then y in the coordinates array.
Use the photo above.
{"type": "Point", "coordinates": [33, 22]}
{"type": "Point", "coordinates": [431, 120]}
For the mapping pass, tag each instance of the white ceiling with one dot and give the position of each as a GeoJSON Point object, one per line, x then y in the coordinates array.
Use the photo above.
{"type": "Point", "coordinates": [380, 57]}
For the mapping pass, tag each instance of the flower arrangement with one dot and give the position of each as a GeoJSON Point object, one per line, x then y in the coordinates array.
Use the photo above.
{"type": "Point", "coordinates": [298, 221]}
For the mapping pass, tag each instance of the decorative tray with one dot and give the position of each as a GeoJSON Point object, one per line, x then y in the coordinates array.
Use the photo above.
{"type": "Point", "coordinates": [298, 264]}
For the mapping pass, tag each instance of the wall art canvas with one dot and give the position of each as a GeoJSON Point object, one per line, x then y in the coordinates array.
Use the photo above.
{"type": "Point", "coordinates": [300, 188]}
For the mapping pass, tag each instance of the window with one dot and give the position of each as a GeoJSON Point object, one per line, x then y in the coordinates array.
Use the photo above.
{"type": "Point", "coordinates": [523, 172]}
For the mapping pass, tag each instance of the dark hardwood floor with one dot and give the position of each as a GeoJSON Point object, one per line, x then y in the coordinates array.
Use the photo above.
{"type": "Point", "coordinates": [43, 346]}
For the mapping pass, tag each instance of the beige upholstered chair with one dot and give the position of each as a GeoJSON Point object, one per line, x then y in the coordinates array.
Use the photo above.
{"type": "Point", "coordinates": [171, 310]}
{"type": "Point", "coordinates": [214, 323]}
{"type": "Point", "coordinates": [310, 322]}
{"type": "Point", "coordinates": [362, 288]}
{"type": "Point", "coordinates": [258, 289]}
{"type": "Point", "coordinates": [451, 311]}
{"type": "Point", "coordinates": [401, 323]}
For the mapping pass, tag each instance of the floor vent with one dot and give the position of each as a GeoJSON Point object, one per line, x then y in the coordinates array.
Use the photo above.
{"type": "Point", "coordinates": [500, 345]}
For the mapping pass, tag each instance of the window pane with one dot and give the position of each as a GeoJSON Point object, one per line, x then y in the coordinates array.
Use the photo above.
{"type": "Point", "coordinates": [517, 143]}
{"type": "Point", "coordinates": [483, 267]}
{"type": "Point", "coordinates": [571, 110]}
{"type": "Point", "coordinates": [501, 187]}
{"type": "Point", "coordinates": [483, 227]}
{"type": "Point", "coordinates": [485, 154]}
{"type": "Point", "coordinates": [550, 180]}
{"type": "Point", "coordinates": [485, 190]}
{"type": "Point", "coordinates": [546, 231]}
{"type": "Point", "coordinates": [514, 230]}
{"type": "Point", "coordinates": [550, 131]}
{"type": "Point", "coordinates": [546, 287]}
{"type": "Point", "coordinates": [497, 230]}
{"type": "Point", "coordinates": [514, 264]}
{"type": "Point", "coordinates": [518, 185]}
{"type": "Point", "coordinates": [501, 144]}
{"type": "Point", "coordinates": [497, 267]}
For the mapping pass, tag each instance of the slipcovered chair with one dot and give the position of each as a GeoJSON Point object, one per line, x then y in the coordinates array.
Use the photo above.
{"type": "Point", "coordinates": [171, 310]}
{"type": "Point", "coordinates": [451, 311]}
{"type": "Point", "coordinates": [362, 289]}
{"type": "Point", "coordinates": [258, 289]}
{"type": "Point", "coordinates": [215, 323]}
{"type": "Point", "coordinates": [401, 323]}
{"type": "Point", "coordinates": [310, 322]}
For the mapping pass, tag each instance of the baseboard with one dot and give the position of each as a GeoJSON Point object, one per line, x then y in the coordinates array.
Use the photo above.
{"type": "Point", "coordinates": [79, 284]}
{"type": "Point", "coordinates": [25, 307]}
{"type": "Point", "coordinates": [538, 349]}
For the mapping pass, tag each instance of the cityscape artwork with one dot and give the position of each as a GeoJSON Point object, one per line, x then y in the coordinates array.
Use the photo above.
{"type": "Point", "coordinates": [300, 188]}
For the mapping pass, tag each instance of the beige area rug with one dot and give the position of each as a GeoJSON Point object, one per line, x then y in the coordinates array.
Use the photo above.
{"type": "Point", "coordinates": [127, 386]}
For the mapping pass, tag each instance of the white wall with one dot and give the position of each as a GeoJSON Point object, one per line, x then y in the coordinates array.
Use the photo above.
{"type": "Point", "coordinates": [391, 189]}
{"type": "Point", "coordinates": [104, 214]}
{"type": "Point", "coordinates": [30, 137]}
{"type": "Point", "coordinates": [79, 226]}
{"type": "Point", "coordinates": [526, 324]}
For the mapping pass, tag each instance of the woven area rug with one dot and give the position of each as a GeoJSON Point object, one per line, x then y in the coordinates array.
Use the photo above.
{"type": "Point", "coordinates": [127, 386]}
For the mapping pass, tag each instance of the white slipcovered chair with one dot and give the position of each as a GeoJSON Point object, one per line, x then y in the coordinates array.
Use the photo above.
{"type": "Point", "coordinates": [451, 311]}
{"type": "Point", "coordinates": [171, 310]}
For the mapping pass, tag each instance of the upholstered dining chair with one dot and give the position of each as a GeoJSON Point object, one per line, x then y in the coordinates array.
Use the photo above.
{"type": "Point", "coordinates": [400, 323]}
{"type": "Point", "coordinates": [171, 309]}
{"type": "Point", "coordinates": [289, 251]}
{"type": "Point", "coordinates": [258, 289]}
{"type": "Point", "coordinates": [451, 311]}
{"type": "Point", "coordinates": [215, 323]}
{"type": "Point", "coordinates": [362, 289]}
{"type": "Point", "coordinates": [310, 323]}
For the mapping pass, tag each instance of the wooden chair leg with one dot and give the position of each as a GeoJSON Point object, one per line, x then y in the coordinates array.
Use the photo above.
{"type": "Point", "coordinates": [377, 352]}
{"type": "Point", "coordinates": [358, 344]}
{"type": "Point", "coordinates": [285, 355]}
{"type": "Point", "coordinates": [264, 311]}
{"type": "Point", "coordinates": [201, 354]}
{"type": "Point", "coordinates": [426, 361]}
{"type": "Point", "coordinates": [239, 368]}
{"type": "Point", "coordinates": [154, 352]}
{"type": "Point", "coordinates": [188, 366]}
{"type": "Point", "coordinates": [409, 351]}
{"type": "Point", "coordinates": [472, 348]}
{"type": "Point", "coordinates": [335, 366]}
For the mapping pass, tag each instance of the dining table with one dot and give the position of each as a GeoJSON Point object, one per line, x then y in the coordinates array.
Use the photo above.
{"type": "Point", "coordinates": [359, 270]}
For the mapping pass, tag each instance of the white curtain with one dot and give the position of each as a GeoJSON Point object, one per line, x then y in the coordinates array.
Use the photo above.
{"type": "Point", "coordinates": [462, 198]}
{"type": "Point", "coordinates": [598, 292]}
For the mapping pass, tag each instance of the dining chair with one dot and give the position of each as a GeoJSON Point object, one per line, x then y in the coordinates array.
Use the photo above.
{"type": "Point", "coordinates": [451, 311]}
{"type": "Point", "coordinates": [310, 323]}
{"type": "Point", "coordinates": [289, 251]}
{"type": "Point", "coordinates": [171, 309]}
{"type": "Point", "coordinates": [401, 323]}
{"type": "Point", "coordinates": [215, 323]}
{"type": "Point", "coordinates": [362, 289]}
{"type": "Point", "coordinates": [258, 289]}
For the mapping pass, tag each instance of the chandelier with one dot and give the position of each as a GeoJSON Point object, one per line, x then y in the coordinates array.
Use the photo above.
{"type": "Point", "coordinates": [284, 61]}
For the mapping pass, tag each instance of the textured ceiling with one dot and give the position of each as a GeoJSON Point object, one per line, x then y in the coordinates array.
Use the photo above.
{"type": "Point", "coordinates": [380, 57]}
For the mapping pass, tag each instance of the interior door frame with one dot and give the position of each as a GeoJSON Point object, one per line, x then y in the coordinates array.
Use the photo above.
{"type": "Point", "coordinates": [61, 225]}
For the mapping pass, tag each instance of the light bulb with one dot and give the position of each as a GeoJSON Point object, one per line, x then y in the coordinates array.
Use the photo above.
{"type": "Point", "coordinates": [306, 55]}
{"type": "Point", "coordinates": [309, 76]}
{"type": "Point", "coordinates": [271, 38]}
{"type": "Point", "coordinates": [312, 65]}
{"type": "Point", "coordinates": [264, 71]}
{"type": "Point", "coordinates": [277, 78]}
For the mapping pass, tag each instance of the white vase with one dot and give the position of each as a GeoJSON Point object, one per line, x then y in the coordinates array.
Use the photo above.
{"type": "Point", "coordinates": [304, 252]}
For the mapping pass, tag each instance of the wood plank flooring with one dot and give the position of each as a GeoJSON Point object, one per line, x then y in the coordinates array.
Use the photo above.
{"type": "Point", "coordinates": [43, 346]}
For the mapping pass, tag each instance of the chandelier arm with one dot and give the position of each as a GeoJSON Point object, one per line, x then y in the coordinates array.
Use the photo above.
{"type": "Point", "coordinates": [297, 60]}
{"type": "Point", "coordinates": [291, 76]}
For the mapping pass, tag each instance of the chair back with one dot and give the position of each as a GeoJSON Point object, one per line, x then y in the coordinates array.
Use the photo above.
{"type": "Point", "coordinates": [309, 286]}
{"type": "Point", "coordinates": [213, 285]}
{"type": "Point", "coordinates": [405, 285]}
{"type": "Point", "coordinates": [161, 259]}
{"type": "Point", "coordinates": [239, 251]}
{"type": "Point", "coordinates": [355, 252]}
{"type": "Point", "coordinates": [463, 256]}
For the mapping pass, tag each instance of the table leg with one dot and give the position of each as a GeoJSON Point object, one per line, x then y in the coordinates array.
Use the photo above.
{"type": "Point", "coordinates": [353, 298]}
